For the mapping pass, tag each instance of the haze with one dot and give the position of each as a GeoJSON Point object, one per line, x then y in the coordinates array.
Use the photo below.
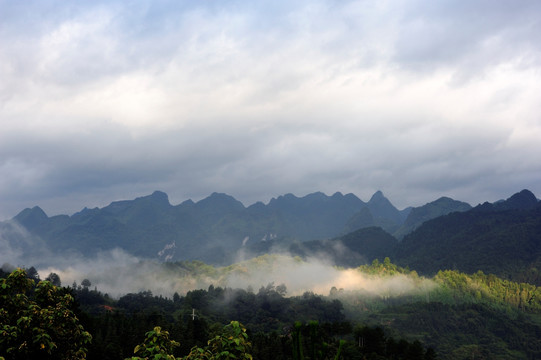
{"type": "Point", "coordinates": [118, 273]}
{"type": "Point", "coordinates": [108, 100]}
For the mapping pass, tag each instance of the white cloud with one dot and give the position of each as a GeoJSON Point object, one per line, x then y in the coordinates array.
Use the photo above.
{"type": "Point", "coordinates": [115, 101]}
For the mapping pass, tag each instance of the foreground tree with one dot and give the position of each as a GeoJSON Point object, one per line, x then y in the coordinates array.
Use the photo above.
{"type": "Point", "coordinates": [231, 343]}
{"type": "Point", "coordinates": [157, 345]}
{"type": "Point", "coordinates": [38, 322]}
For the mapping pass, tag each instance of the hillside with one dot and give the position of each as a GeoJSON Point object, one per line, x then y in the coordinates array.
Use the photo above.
{"type": "Point", "coordinates": [502, 238]}
{"type": "Point", "coordinates": [352, 250]}
{"type": "Point", "coordinates": [419, 215]}
{"type": "Point", "coordinates": [381, 306]}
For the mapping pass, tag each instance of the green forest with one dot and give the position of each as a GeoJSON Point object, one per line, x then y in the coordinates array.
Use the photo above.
{"type": "Point", "coordinates": [451, 315]}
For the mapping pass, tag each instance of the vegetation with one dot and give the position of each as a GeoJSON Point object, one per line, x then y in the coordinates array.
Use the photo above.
{"type": "Point", "coordinates": [452, 315]}
{"type": "Point", "coordinates": [182, 325]}
{"type": "Point", "coordinates": [505, 243]}
{"type": "Point", "coordinates": [488, 289]}
{"type": "Point", "coordinates": [157, 345]}
{"type": "Point", "coordinates": [231, 343]}
{"type": "Point", "coordinates": [461, 316]}
{"type": "Point", "coordinates": [39, 320]}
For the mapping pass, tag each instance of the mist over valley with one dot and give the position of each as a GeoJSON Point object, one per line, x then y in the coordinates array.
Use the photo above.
{"type": "Point", "coordinates": [125, 246]}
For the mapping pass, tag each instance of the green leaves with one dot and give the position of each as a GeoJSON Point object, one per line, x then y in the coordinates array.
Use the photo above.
{"type": "Point", "coordinates": [157, 345]}
{"type": "Point", "coordinates": [232, 343]}
{"type": "Point", "coordinates": [39, 324]}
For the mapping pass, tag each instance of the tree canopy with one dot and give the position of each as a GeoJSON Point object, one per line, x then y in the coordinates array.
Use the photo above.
{"type": "Point", "coordinates": [38, 321]}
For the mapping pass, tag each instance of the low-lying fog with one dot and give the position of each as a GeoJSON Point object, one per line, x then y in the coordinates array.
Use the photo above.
{"type": "Point", "coordinates": [117, 272]}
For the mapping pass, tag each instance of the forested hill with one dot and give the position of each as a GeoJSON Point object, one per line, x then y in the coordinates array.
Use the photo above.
{"type": "Point", "coordinates": [503, 238]}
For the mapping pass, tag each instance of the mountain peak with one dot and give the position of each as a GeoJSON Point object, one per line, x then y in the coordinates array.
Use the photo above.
{"type": "Point", "coordinates": [521, 200]}
{"type": "Point", "coordinates": [31, 218]}
{"type": "Point", "coordinates": [418, 215]}
{"type": "Point", "coordinates": [160, 196]}
{"type": "Point", "coordinates": [378, 196]}
{"type": "Point", "coordinates": [382, 208]}
{"type": "Point", "coordinates": [524, 199]}
{"type": "Point", "coordinates": [221, 196]}
{"type": "Point", "coordinates": [220, 202]}
{"type": "Point", "coordinates": [317, 195]}
{"type": "Point", "coordinates": [36, 212]}
{"type": "Point", "coordinates": [157, 198]}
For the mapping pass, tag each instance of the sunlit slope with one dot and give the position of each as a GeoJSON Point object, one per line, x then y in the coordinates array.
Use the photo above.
{"type": "Point", "coordinates": [502, 238]}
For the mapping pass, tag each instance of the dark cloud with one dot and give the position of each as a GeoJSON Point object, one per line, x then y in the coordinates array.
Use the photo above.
{"type": "Point", "coordinates": [102, 101]}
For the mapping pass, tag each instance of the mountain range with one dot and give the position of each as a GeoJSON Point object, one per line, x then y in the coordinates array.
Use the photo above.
{"type": "Point", "coordinates": [215, 228]}
{"type": "Point", "coordinates": [501, 238]}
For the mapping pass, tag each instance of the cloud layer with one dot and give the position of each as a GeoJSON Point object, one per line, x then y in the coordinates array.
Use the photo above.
{"type": "Point", "coordinates": [108, 100]}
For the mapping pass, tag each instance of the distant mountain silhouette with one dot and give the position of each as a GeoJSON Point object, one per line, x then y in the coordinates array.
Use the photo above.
{"type": "Point", "coordinates": [212, 229]}
{"type": "Point", "coordinates": [434, 209]}
{"type": "Point", "coordinates": [361, 219]}
{"type": "Point", "coordinates": [382, 208]}
{"type": "Point", "coordinates": [32, 219]}
{"type": "Point", "coordinates": [378, 212]}
{"type": "Point", "coordinates": [524, 199]}
{"type": "Point", "coordinates": [503, 238]}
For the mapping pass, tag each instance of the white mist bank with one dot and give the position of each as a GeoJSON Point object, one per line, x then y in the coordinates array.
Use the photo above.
{"type": "Point", "coordinates": [117, 273]}
{"type": "Point", "coordinates": [319, 277]}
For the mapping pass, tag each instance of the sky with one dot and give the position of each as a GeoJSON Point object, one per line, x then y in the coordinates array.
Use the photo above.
{"type": "Point", "coordinates": [109, 100]}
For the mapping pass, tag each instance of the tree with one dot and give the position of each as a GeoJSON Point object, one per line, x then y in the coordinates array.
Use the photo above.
{"type": "Point", "coordinates": [281, 289]}
{"type": "Point", "coordinates": [370, 339]}
{"type": "Point", "coordinates": [86, 283]}
{"type": "Point", "coordinates": [54, 279]}
{"type": "Point", "coordinates": [231, 343]}
{"type": "Point", "coordinates": [311, 341]}
{"type": "Point", "coordinates": [156, 345]}
{"type": "Point", "coordinates": [40, 323]}
{"type": "Point", "coordinates": [32, 273]}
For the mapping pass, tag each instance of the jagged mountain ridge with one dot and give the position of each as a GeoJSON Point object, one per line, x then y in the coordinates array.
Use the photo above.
{"type": "Point", "coordinates": [212, 229]}
{"type": "Point", "coordinates": [503, 237]}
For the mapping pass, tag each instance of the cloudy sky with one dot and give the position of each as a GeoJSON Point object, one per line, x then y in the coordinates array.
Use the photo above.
{"type": "Point", "coordinates": [101, 101]}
